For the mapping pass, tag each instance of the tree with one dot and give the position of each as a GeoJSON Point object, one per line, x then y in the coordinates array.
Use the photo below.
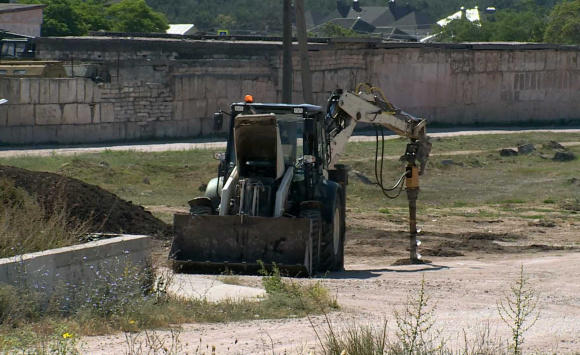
{"type": "Point", "coordinates": [93, 14]}
{"type": "Point", "coordinates": [136, 16]}
{"type": "Point", "coordinates": [564, 23]}
{"type": "Point", "coordinates": [62, 18]}
{"type": "Point", "coordinates": [463, 30]}
{"type": "Point", "coordinates": [511, 25]}
{"type": "Point", "coordinates": [330, 29]}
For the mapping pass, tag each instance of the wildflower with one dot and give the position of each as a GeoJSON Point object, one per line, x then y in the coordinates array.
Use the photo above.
{"type": "Point", "coordinates": [67, 335]}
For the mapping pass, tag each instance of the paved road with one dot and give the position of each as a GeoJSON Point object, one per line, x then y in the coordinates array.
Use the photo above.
{"type": "Point", "coordinates": [200, 144]}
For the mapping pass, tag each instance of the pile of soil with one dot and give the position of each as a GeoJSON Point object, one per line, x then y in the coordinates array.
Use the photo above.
{"type": "Point", "coordinates": [105, 212]}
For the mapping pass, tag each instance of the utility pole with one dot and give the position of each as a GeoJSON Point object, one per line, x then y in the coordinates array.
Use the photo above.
{"type": "Point", "coordinates": [303, 49]}
{"type": "Point", "coordinates": [287, 54]}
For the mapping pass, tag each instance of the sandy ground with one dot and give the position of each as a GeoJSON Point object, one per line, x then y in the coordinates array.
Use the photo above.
{"type": "Point", "coordinates": [465, 289]}
{"type": "Point", "coordinates": [474, 261]}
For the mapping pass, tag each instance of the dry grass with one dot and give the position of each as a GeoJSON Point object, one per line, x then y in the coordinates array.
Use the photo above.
{"type": "Point", "coordinates": [26, 227]}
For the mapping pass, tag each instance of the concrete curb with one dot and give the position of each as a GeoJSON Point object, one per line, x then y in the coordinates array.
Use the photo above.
{"type": "Point", "coordinates": [77, 264]}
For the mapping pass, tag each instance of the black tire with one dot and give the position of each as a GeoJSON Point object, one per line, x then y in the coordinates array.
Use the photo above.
{"type": "Point", "coordinates": [332, 248]}
{"type": "Point", "coordinates": [199, 210]}
{"type": "Point", "coordinates": [316, 217]}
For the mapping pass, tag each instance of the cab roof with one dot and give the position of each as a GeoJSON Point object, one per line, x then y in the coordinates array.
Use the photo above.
{"type": "Point", "coordinates": [283, 107]}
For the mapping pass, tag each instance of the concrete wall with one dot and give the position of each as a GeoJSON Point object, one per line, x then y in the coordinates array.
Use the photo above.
{"type": "Point", "coordinates": [76, 265]}
{"type": "Point", "coordinates": [169, 88]}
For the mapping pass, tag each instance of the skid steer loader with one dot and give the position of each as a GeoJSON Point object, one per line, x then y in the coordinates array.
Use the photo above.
{"type": "Point", "coordinates": [274, 200]}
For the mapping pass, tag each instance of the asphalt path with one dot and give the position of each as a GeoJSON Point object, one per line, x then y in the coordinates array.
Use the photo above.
{"type": "Point", "coordinates": [156, 146]}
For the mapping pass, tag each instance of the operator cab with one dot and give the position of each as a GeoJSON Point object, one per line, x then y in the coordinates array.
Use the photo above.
{"type": "Point", "coordinates": [271, 143]}
{"type": "Point", "coordinates": [301, 129]}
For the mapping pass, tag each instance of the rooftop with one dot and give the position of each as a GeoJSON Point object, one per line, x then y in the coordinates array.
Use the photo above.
{"type": "Point", "coordinates": [4, 8]}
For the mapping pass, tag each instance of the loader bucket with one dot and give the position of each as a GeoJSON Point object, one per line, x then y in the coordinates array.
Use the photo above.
{"type": "Point", "coordinates": [209, 243]}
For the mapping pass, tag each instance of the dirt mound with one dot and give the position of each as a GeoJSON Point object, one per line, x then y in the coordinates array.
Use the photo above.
{"type": "Point", "coordinates": [105, 211]}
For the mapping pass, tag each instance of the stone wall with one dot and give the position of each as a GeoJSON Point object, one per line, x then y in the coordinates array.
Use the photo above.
{"type": "Point", "coordinates": [168, 88]}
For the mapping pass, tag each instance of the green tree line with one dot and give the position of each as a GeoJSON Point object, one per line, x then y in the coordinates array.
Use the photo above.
{"type": "Point", "coordinates": [78, 17]}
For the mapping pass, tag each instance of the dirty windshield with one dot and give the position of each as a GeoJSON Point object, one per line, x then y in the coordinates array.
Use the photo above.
{"type": "Point", "coordinates": [291, 130]}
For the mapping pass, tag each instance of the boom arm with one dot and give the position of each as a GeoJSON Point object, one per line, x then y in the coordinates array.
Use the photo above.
{"type": "Point", "coordinates": [370, 106]}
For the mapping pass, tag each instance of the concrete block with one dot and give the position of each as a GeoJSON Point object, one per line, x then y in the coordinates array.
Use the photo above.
{"type": "Point", "coordinates": [318, 81]}
{"type": "Point", "coordinates": [50, 114]}
{"type": "Point", "coordinates": [25, 91]}
{"type": "Point", "coordinates": [98, 92]}
{"type": "Point", "coordinates": [80, 90]}
{"type": "Point", "coordinates": [177, 110]}
{"type": "Point", "coordinates": [20, 115]}
{"type": "Point", "coordinates": [107, 112]}
{"type": "Point", "coordinates": [69, 113]}
{"type": "Point", "coordinates": [80, 264]}
{"type": "Point", "coordinates": [44, 94]}
{"type": "Point", "coordinates": [4, 87]}
{"type": "Point", "coordinates": [54, 89]}
{"type": "Point", "coordinates": [17, 135]}
{"type": "Point", "coordinates": [89, 90]}
{"type": "Point", "coordinates": [67, 91]}
{"type": "Point", "coordinates": [13, 91]}
{"type": "Point", "coordinates": [84, 114]}
{"type": "Point", "coordinates": [234, 90]}
{"type": "Point", "coordinates": [330, 80]}
{"type": "Point", "coordinates": [34, 91]}
{"type": "Point", "coordinates": [4, 115]}
{"type": "Point", "coordinates": [177, 84]}
{"type": "Point", "coordinates": [95, 113]}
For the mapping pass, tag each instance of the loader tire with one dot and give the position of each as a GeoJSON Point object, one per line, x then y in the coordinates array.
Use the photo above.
{"type": "Point", "coordinates": [316, 233]}
{"type": "Point", "coordinates": [199, 210]}
{"type": "Point", "coordinates": [332, 248]}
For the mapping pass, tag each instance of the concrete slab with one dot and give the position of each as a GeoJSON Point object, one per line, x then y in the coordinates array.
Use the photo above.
{"type": "Point", "coordinates": [209, 288]}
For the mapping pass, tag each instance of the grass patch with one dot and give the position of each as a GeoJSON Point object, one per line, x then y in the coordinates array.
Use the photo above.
{"type": "Point", "coordinates": [172, 178]}
{"type": "Point", "coordinates": [161, 178]}
{"type": "Point", "coordinates": [136, 301]}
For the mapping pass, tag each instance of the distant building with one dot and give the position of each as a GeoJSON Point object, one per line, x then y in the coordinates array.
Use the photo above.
{"type": "Point", "coordinates": [22, 19]}
{"type": "Point", "coordinates": [181, 29]}
{"type": "Point", "coordinates": [392, 22]}
{"type": "Point", "coordinates": [473, 15]}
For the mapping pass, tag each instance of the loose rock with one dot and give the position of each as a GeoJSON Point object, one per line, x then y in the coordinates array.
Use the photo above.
{"type": "Point", "coordinates": [526, 148]}
{"type": "Point", "coordinates": [564, 156]}
{"type": "Point", "coordinates": [506, 152]}
{"type": "Point", "coordinates": [555, 145]}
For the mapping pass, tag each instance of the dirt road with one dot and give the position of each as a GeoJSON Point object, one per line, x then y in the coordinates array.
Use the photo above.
{"type": "Point", "coordinates": [464, 289]}
{"type": "Point", "coordinates": [201, 144]}
{"type": "Point", "coordinates": [474, 262]}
